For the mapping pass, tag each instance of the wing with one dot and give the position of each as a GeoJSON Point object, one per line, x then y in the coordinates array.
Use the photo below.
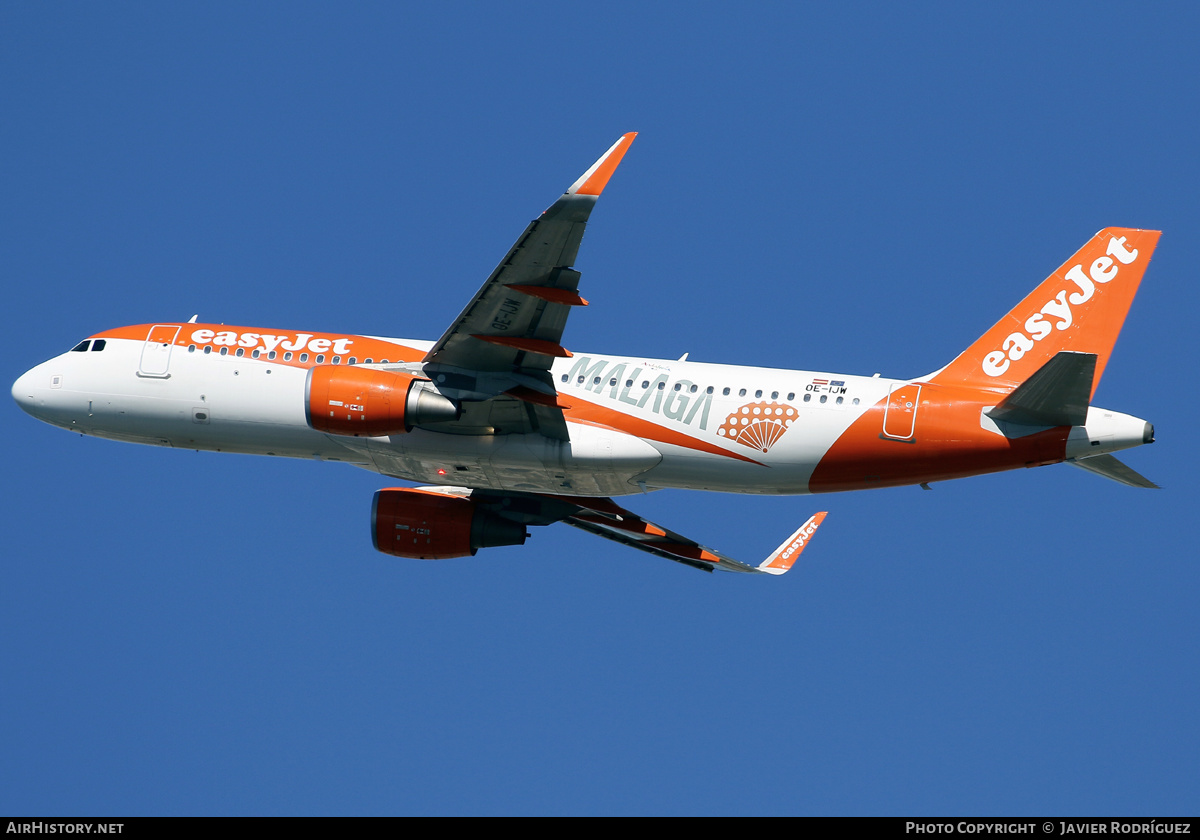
{"type": "Point", "coordinates": [605, 518]}
{"type": "Point", "coordinates": [496, 356]}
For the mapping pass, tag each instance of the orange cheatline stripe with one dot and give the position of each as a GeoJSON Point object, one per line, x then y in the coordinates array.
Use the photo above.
{"type": "Point", "coordinates": [550, 293]}
{"type": "Point", "coordinates": [530, 345]}
{"type": "Point", "coordinates": [598, 415]}
{"type": "Point", "coordinates": [595, 184]}
{"type": "Point", "coordinates": [362, 346]}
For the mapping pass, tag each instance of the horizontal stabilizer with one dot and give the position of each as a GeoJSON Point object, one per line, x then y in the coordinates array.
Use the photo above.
{"type": "Point", "coordinates": [1110, 467]}
{"type": "Point", "coordinates": [1057, 395]}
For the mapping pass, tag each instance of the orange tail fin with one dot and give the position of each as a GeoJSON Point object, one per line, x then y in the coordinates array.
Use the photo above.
{"type": "Point", "coordinates": [1080, 308]}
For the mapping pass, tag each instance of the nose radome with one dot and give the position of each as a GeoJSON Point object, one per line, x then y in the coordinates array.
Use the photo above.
{"type": "Point", "coordinates": [23, 392]}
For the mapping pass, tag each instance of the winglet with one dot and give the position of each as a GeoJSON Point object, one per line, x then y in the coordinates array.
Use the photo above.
{"type": "Point", "coordinates": [596, 178]}
{"type": "Point", "coordinates": [784, 556]}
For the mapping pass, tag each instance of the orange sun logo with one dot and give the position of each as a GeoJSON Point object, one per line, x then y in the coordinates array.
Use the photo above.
{"type": "Point", "coordinates": [758, 425]}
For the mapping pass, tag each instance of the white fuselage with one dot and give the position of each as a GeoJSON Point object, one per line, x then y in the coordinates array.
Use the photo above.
{"type": "Point", "coordinates": [634, 424]}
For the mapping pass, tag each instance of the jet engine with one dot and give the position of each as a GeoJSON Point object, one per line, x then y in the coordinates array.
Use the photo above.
{"type": "Point", "coordinates": [433, 526]}
{"type": "Point", "coordinates": [347, 400]}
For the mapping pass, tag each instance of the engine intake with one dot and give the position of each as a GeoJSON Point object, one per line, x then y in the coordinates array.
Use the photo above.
{"type": "Point", "coordinates": [433, 526]}
{"type": "Point", "coordinates": [348, 400]}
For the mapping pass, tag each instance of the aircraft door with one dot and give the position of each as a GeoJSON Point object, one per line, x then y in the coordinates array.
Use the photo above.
{"type": "Point", "coordinates": [900, 415]}
{"type": "Point", "coordinates": [156, 352]}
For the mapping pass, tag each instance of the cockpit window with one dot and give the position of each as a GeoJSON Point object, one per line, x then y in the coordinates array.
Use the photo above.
{"type": "Point", "coordinates": [98, 345]}
{"type": "Point", "coordinates": [81, 347]}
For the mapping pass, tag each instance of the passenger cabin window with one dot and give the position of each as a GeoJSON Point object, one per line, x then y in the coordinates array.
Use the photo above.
{"type": "Point", "coordinates": [304, 357]}
{"type": "Point", "coordinates": [320, 358]}
{"type": "Point", "coordinates": [758, 393]}
{"type": "Point", "coordinates": [98, 345]}
{"type": "Point", "coordinates": [207, 349]}
{"type": "Point", "coordinates": [337, 360]}
{"type": "Point", "coordinates": [353, 361]}
{"type": "Point", "coordinates": [81, 347]}
{"type": "Point", "coordinates": [725, 392]}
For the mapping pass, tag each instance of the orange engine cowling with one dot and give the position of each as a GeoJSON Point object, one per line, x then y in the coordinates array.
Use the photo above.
{"type": "Point", "coordinates": [347, 400]}
{"type": "Point", "coordinates": [433, 526]}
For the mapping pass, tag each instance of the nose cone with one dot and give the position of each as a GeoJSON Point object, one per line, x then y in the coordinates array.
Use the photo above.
{"type": "Point", "coordinates": [33, 392]}
{"type": "Point", "coordinates": [25, 393]}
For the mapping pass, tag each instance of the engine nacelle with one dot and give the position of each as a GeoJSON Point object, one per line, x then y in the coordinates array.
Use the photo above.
{"type": "Point", "coordinates": [348, 400]}
{"type": "Point", "coordinates": [433, 526]}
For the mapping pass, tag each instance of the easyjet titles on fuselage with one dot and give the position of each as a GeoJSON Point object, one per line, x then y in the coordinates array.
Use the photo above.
{"type": "Point", "coordinates": [293, 344]}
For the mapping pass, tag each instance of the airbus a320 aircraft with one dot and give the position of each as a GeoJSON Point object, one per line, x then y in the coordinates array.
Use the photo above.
{"type": "Point", "coordinates": [508, 429]}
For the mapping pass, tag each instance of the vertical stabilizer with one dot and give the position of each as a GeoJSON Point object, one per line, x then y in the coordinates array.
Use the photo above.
{"type": "Point", "coordinates": [1078, 308]}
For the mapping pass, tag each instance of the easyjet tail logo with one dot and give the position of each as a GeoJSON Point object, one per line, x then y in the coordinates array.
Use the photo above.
{"type": "Point", "coordinates": [1102, 270]}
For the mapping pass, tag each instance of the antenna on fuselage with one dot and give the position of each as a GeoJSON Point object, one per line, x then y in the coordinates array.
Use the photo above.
{"type": "Point", "coordinates": [192, 320]}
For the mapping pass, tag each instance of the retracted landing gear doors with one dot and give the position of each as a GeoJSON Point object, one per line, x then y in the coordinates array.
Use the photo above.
{"type": "Point", "coordinates": [156, 352]}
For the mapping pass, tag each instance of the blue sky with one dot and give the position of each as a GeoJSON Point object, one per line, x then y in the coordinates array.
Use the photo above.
{"type": "Point", "coordinates": [859, 189]}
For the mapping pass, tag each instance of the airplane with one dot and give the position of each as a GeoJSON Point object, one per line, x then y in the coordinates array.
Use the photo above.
{"type": "Point", "coordinates": [506, 429]}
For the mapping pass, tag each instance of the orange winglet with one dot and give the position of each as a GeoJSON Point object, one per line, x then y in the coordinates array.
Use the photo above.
{"type": "Point", "coordinates": [531, 396]}
{"type": "Point", "coordinates": [530, 345]}
{"type": "Point", "coordinates": [550, 293]}
{"type": "Point", "coordinates": [596, 178]}
{"type": "Point", "coordinates": [784, 556]}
